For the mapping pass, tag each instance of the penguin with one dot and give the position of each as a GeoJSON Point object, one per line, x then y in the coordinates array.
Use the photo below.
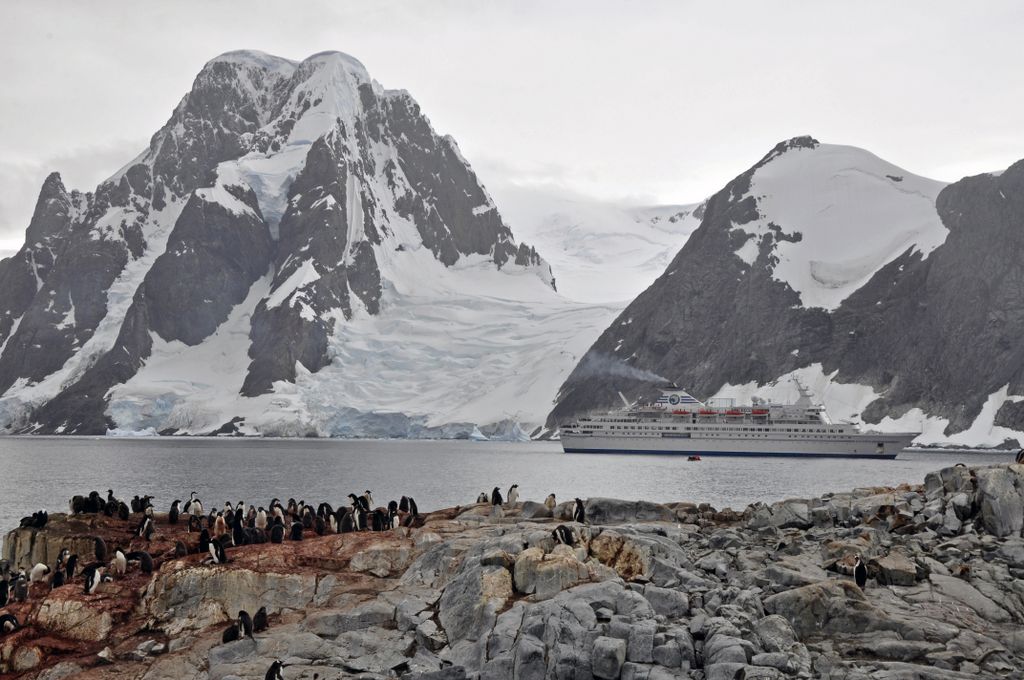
{"type": "Point", "coordinates": [394, 521]}
{"type": "Point", "coordinates": [308, 518]}
{"type": "Point", "coordinates": [496, 497]}
{"type": "Point", "coordinates": [482, 498]}
{"type": "Point", "coordinates": [378, 520]}
{"type": "Point", "coordinates": [145, 529]}
{"type": "Point", "coordinates": [62, 558]}
{"type": "Point", "coordinates": [245, 621]}
{"type": "Point", "coordinates": [122, 511]}
{"type": "Point", "coordinates": [346, 522]}
{"type": "Point", "coordinates": [58, 579]}
{"type": "Point", "coordinates": [274, 672]}
{"type": "Point", "coordinates": [296, 533]}
{"type": "Point", "coordinates": [204, 540]}
{"type": "Point", "coordinates": [277, 533]}
{"type": "Point", "coordinates": [193, 506]}
{"type": "Point", "coordinates": [563, 535]}
{"type": "Point", "coordinates": [194, 524]}
{"type": "Point", "coordinates": [9, 623]}
{"type": "Point", "coordinates": [238, 536]}
{"type": "Point", "coordinates": [259, 622]}
{"type": "Point", "coordinates": [217, 553]}
{"type": "Point", "coordinates": [110, 497]}
{"type": "Point", "coordinates": [579, 512]}
{"type": "Point", "coordinates": [180, 550]}
{"type": "Point", "coordinates": [136, 505]}
{"type": "Point", "coordinates": [320, 526]}
{"type": "Point", "coordinates": [220, 526]}
{"type": "Point", "coordinates": [860, 573]}
{"type": "Point", "coordinates": [367, 500]}
{"type": "Point", "coordinates": [69, 568]}
{"type": "Point", "coordinates": [20, 589]}
{"type": "Point", "coordinates": [513, 494]}
{"type": "Point", "coordinates": [172, 516]}
{"type": "Point", "coordinates": [260, 521]}
{"type": "Point", "coordinates": [93, 576]}
{"type": "Point", "coordinates": [120, 563]}
{"type": "Point", "coordinates": [76, 505]}
{"type": "Point", "coordinates": [231, 633]}
{"type": "Point", "coordinates": [100, 550]}
{"type": "Point", "coordinates": [550, 502]}
{"type": "Point", "coordinates": [38, 573]}
{"type": "Point", "coordinates": [144, 559]}
{"type": "Point", "coordinates": [414, 509]}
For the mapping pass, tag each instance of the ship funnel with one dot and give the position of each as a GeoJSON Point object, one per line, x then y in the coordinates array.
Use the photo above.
{"type": "Point", "coordinates": [676, 399]}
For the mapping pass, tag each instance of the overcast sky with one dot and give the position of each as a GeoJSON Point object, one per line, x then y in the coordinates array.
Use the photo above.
{"type": "Point", "coordinates": [642, 102]}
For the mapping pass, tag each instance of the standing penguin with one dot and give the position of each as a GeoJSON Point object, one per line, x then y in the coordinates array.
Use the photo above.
{"type": "Point", "coordinates": [860, 573]}
{"type": "Point", "coordinates": [38, 573]}
{"type": "Point", "coordinates": [579, 512]}
{"type": "Point", "coordinates": [367, 500]}
{"type": "Point", "coordinates": [145, 529]}
{"type": "Point", "coordinates": [259, 622]}
{"type": "Point", "coordinates": [204, 540]}
{"type": "Point", "coordinates": [20, 589]}
{"type": "Point", "coordinates": [245, 621]}
{"type": "Point", "coordinates": [180, 549]}
{"type": "Point", "coordinates": [513, 494]}
{"type": "Point", "coordinates": [260, 522]}
{"type": "Point", "coordinates": [550, 502]}
{"type": "Point", "coordinates": [482, 498]}
{"type": "Point", "coordinates": [277, 531]}
{"type": "Point", "coordinates": [93, 576]}
{"type": "Point", "coordinates": [120, 562]}
{"type": "Point", "coordinates": [496, 497]}
{"type": "Point", "coordinates": [101, 550]}
{"type": "Point", "coordinates": [69, 568]}
{"type": "Point", "coordinates": [274, 672]}
{"type": "Point", "coordinates": [58, 578]}
{"type": "Point", "coordinates": [296, 534]}
{"type": "Point", "coordinates": [172, 516]}
{"type": "Point", "coordinates": [217, 553]}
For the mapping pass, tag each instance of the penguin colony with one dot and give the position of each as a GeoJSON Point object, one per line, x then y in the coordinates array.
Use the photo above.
{"type": "Point", "coordinates": [218, 532]}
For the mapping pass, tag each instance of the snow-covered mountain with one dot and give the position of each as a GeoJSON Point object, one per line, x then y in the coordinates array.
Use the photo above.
{"type": "Point", "coordinates": [600, 252]}
{"type": "Point", "coordinates": [897, 299]}
{"type": "Point", "coordinates": [297, 252]}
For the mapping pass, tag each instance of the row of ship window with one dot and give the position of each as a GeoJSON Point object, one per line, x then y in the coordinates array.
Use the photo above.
{"type": "Point", "coordinates": [718, 429]}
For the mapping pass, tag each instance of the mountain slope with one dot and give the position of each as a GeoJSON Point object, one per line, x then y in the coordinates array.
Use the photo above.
{"type": "Point", "coordinates": [600, 251]}
{"type": "Point", "coordinates": [216, 277]}
{"type": "Point", "coordinates": [831, 264]}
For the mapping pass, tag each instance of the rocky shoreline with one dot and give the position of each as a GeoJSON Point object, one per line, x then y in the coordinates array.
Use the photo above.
{"type": "Point", "coordinates": [648, 592]}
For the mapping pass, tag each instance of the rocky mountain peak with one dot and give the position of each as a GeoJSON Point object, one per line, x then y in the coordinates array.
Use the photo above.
{"type": "Point", "coordinates": [300, 192]}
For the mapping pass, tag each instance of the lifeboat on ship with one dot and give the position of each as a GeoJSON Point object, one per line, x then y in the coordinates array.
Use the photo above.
{"type": "Point", "coordinates": [707, 412]}
{"type": "Point", "coordinates": [680, 413]}
{"type": "Point", "coordinates": [734, 412]}
{"type": "Point", "coordinates": [760, 412]}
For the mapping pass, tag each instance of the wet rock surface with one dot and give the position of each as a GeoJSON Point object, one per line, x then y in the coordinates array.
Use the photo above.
{"type": "Point", "coordinates": [472, 593]}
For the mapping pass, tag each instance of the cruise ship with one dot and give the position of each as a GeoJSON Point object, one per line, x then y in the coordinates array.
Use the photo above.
{"type": "Point", "coordinates": [678, 423]}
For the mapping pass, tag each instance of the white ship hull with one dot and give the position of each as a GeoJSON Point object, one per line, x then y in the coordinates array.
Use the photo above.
{"type": "Point", "coordinates": [865, 445]}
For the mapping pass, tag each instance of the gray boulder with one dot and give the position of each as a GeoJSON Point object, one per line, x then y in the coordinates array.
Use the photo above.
{"type": "Point", "coordinates": [607, 656]}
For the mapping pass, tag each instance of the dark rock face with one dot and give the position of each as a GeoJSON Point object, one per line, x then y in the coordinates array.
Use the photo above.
{"type": "Point", "coordinates": [940, 333]}
{"type": "Point", "coordinates": [212, 258]}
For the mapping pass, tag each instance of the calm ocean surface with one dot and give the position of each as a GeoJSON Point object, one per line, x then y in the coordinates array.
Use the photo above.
{"type": "Point", "coordinates": [44, 472]}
